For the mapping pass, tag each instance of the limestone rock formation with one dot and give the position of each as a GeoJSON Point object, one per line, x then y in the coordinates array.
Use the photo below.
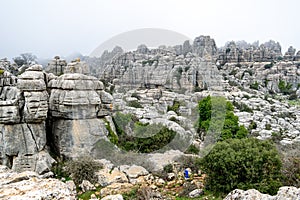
{"type": "Point", "coordinates": [242, 52]}
{"type": "Point", "coordinates": [28, 185]}
{"type": "Point", "coordinates": [74, 106]}
{"type": "Point", "coordinates": [205, 47]}
{"type": "Point", "coordinates": [162, 68]}
{"type": "Point", "coordinates": [40, 110]}
{"type": "Point", "coordinates": [24, 107]}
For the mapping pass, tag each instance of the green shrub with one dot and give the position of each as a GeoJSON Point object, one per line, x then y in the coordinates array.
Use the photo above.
{"type": "Point", "coordinates": [254, 86]}
{"type": "Point", "coordinates": [242, 107]}
{"type": "Point", "coordinates": [134, 104]}
{"type": "Point", "coordinates": [145, 138]}
{"type": "Point", "coordinates": [111, 135]}
{"type": "Point", "coordinates": [293, 96]}
{"type": "Point", "coordinates": [2, 71]}
{"type": "Point", "coordinates": [59, 171]}
{"type": "Point", "coordinates": [285, 88]}
{"type": "Point", "coordinates": [268, 66]}
{"type": "Point", "coordinates": [168, 168]}
{"type": "Point", "coordinates": [192, 149]}
{"type": "Point", "coordinates": [268, 127]}
{"type": "Point", "coordinates": [186, 68]}
{"type": "Point", "coordinates": [135, 95]}
{"type": "Point", "coordinates": [291, 164]}
{"type": "Point", "coordinates": [230, 128]}
{"type": "Point", "coordinates": [233, 72]}
{"type": "Point", "coordinates": [243, 163]}
{"type": "Point", "coordinates": [174, 119]}
{"type": "Point", "coordinates": [252, 125]}
{"type": "Point", "coordinates": [150, 62]}
{"type": "Point", "coordinates": [82, 168]}
{"type": "Point", "coordinates": [174, 107]}
{"type": "Point", "coordinates": [191, 162]}
{"type": "Point", "coordinates": [131, 195]}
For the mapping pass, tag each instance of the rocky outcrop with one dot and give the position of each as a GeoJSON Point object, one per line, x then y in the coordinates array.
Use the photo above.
{"type": "Point", "coordinates": [56, 66]}
{"type": "Point", "coordinates": [29, 185]}
{"type": "Point", "coordinates": [235, 53]}
{"type": "Point", "coordinates": [24, 107]}
{"type": "Point", "coordinates": [162, 68]}
{"type": "Point", "coordinates": [284, 193]}
{"type": "Point", "coordinates": [74, 108]}
{"type": "Point", "coordinates": [40, 110]}
{"type": "Point", "coordinates": [205, 47]}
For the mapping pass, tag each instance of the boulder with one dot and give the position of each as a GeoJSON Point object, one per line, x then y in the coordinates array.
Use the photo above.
{"type": "Point", "coordinates": [28, 185]}
{"type": "Point", "coordinates": [87, 186]}
{"type": "Point", "coordinates": [195, 193]}
{"type": "Point", "coordinates": [113, 197]}
{"type": "Point", "coordinates": [284, 193]}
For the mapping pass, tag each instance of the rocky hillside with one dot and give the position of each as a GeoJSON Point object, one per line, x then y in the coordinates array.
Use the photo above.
{"type": "Point", "coordinates": [262, 82]}
{"type": "Point", "coordinates": [140, 109]}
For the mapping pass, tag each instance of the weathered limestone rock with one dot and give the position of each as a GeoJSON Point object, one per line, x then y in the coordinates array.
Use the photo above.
{"type": "Point", "coordinates": [195, 193]}
{"type": "Point", "coordinates": [113, 197]}
{"type": "Point", "coordinates": [134, 171]}
{"type": "Point", "coordinates": [77, 137]}
{"type": "Point", "coordinates": [74, 105]}
{"type": "Point", "coordinates": [87, 186]}
{"type": "Point", "coordinates": [24, 107]}
{"type": "Point", "coordinates": [235, 52]}
{"type": "Point", "coordinates": [74, 96]}
{"type": "Point", "coordinates": [77, 67]}
{"type": "Point", "coordinates": [28, 185]}
{"type": "Point", "coordinates": [284, 193]}
{"type": "Point", "coordinates": [205, 47]}
{"type": "Point", "coordinates": [108, 177]}
{"type": "Point", "coordinates": [162, 69]}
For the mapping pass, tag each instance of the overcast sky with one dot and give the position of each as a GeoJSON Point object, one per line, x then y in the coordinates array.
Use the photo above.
{"type": "Point", "coordinates": [60, 27]}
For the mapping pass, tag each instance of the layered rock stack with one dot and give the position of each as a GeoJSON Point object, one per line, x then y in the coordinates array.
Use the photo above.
{"type": "Point", "coordinates": [24, 107]}
{"type": "Point", "coordinates": [235, 53]}
{"type": "Point", "coordinates": [205, 47]}
{"type": "Point", "coordinates": [157, 68]}
{"type": "Point", "coordinates": [75, 105]}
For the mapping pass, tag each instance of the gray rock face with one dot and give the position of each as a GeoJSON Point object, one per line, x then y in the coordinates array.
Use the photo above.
{"type": "Point", "coordinates": [74, 105]}
{"type": "Point", "coordinates": [236, 52]}
{"type": "Point", "coordinates": [24, 107]}
{"type": "Point", "coordinates": [77, 137]}
{"type": "Point", "coordinates": [162, 68]}
{"type": "Point", "coordinates": [205, 47]}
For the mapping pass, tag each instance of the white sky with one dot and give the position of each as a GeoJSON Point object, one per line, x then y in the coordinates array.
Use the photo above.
{"type": "Point", "coordinates": [60, 27]}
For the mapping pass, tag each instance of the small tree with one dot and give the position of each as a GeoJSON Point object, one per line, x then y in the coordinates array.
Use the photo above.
{"type": "Point", "coordinates": [82, 168]}
{"type": "Point", "coordinates": [243, 163]}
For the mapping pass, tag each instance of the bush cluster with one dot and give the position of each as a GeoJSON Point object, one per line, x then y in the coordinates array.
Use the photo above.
{"type": "Point", "coordinates": [82, 168]}
{"type": "Point", "coordinates": [175, 107]}
{"type": "Point", "coordinates": [221, 107]}
{"type": "Point", "coordinates": [243, 163]}
{"type": "Point", "coordinates": [143, 138]}
{"type": "Point", "coordinates": [285, 88]}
